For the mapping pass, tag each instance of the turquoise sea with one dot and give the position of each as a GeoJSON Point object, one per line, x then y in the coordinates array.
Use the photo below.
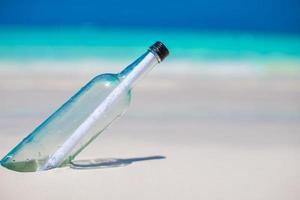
{"type": "Point", "coordinates": [19, 44]}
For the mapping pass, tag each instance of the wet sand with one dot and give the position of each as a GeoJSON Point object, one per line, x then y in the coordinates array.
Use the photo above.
{"type": "Point", "coordinates": [223, 137]}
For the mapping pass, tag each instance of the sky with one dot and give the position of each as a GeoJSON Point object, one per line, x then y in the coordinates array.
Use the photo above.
{"type": "Point", "coordinates": [215, 15]}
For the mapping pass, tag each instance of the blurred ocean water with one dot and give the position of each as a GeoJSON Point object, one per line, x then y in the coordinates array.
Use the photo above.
{"type": "Point", "coordinates": [263, 51]}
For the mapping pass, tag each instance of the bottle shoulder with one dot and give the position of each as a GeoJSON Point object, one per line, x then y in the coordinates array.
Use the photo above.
{"type": "Point", "coordinates": [107, 79]}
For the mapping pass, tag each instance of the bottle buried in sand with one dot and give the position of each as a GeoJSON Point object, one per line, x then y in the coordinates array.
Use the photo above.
{"type": "Point", "coordinates": [62, 136]}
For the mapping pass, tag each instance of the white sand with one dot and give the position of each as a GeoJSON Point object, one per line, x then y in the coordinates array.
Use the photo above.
{"type": "Point", "coordinates": [223, 138]}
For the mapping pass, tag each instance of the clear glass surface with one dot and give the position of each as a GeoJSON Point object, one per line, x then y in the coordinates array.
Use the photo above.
{"type": "Point", "coordinates": [41, 146]}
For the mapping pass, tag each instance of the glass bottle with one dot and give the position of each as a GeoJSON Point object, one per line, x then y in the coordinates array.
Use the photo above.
{"type": "Point", "coordinates": [62, 136]}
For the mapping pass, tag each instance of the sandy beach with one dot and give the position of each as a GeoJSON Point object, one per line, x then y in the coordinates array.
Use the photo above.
{"type": "Point", "coordinates": [223, 137]}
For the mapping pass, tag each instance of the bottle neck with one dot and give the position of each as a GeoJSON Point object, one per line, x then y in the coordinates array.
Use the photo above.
{"type": "Point", "coordinates": [138, 68]}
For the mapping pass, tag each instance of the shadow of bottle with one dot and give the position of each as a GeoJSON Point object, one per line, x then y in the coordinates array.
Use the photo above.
{"type": "Point", "coordinates": [110, 162]}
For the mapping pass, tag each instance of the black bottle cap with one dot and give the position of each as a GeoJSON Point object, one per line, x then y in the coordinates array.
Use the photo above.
{"type": "Point", "coordinates": [160, 50]}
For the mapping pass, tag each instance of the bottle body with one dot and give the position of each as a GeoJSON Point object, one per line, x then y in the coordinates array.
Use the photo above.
{"type": "Point", "coordinates": [33, 152]}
